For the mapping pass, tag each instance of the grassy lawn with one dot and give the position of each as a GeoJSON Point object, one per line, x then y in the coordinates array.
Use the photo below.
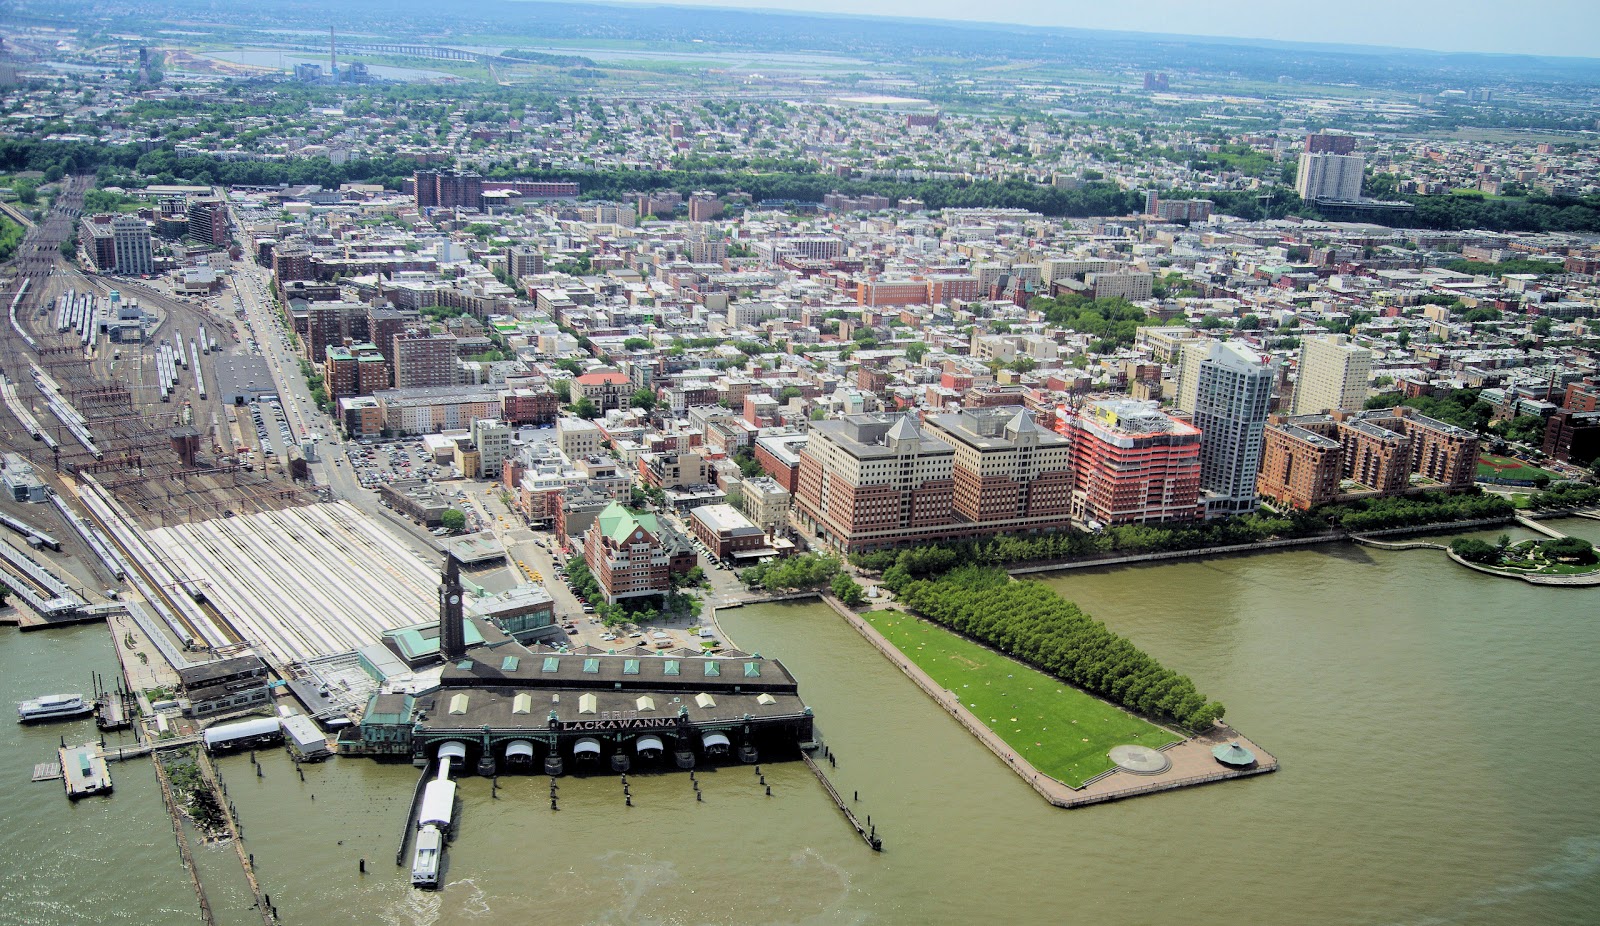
{"type": "Point", "coordinates": [1491, 466]}
{"type": "Point", "coordinates": [1062, 731]}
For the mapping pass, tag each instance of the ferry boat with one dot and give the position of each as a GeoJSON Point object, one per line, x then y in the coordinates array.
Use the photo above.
{"type": "Point", "coordinates": [425, 863]}
{"type": "Point", "coordinates": [53, 707]}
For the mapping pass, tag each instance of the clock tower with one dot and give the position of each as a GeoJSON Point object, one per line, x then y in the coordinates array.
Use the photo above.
{"type": "Point", "coordinates": [452, 628]}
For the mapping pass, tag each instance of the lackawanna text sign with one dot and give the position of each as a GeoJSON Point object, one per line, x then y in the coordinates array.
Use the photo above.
{"type": "Point", "coordinates": [615, 720]}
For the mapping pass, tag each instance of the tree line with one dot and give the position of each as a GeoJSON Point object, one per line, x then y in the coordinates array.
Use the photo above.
{"type": "Point", "coordinates": [1565, 496]}
{"type": "Point", "coordinates": [1031, 622]}
{"type": "Point", "coordinates": [1095, 198]}
{"type": "Point", "coordinates": [1131, 539]}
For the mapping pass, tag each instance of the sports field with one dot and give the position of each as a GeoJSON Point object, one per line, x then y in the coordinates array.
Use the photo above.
{"type": "Point", "coordinates": [1491, 466]}
{"type": "Point", "coordinates": [1060, 730]}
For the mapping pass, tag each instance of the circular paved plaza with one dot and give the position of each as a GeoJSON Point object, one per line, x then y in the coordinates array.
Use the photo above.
{"type": "Point", "coordinates": [1140, 760]}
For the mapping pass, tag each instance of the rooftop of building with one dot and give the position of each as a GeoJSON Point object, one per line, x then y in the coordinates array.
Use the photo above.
{"type": "Point", "coordinates": [724, 519]}
{"type": "Point", "coordinates": [619, 524]}
{"type": "Point", "coordinates": [540, 668]}
{"type": "Point", "coordinates": [873, 436]}
{"type": "Point", "coordinates": [999, 428]}
{"type": "Point", "coordinates": [1135, 418]}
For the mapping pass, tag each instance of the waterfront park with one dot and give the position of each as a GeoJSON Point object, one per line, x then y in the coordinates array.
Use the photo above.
{"type": "Point", "coordinates": [1060, 730]}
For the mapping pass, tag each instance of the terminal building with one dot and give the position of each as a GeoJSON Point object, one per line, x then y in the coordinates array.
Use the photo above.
{"type": "Point", "coordinates": [515, 708]}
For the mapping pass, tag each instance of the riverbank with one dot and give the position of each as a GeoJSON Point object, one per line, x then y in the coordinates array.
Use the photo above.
{"type": "Point", "coordinates": [1263, 546]}
{"type": "Point", "coordinates": [1191, 762]}
{"type": "Point", "coordinates": [1577, 580]}
{"type": "Point", "coordinates": [1571, 580]}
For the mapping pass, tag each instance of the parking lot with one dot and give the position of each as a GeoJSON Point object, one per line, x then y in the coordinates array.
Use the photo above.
{"type": "Point", "coordinates": [273, 434]}
{"type": "Point", "coordinates": [377, 463]}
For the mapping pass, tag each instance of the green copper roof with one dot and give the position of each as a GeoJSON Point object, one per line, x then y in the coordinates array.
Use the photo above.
{"type": "Point", "coordinates": [1233, 754]}
{"type": "Point", "coordinates": [618, 523]}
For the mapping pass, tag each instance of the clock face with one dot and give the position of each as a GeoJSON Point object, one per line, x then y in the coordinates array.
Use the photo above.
{"type": "Point", "coordinates": [455, 599]}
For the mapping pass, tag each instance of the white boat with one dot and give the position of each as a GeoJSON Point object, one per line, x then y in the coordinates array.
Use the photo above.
{"type": "Point", "coordinates": [425, 863]}
{"type": "Point", "coordinates": [53, 707]}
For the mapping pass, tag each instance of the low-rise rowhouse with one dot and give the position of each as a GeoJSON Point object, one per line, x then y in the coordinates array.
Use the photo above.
{"type": "Point", "coordinates": [429, 410]}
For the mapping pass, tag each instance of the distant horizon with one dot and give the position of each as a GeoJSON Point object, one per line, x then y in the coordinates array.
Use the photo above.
{"type": "Point", "coordinates": [1443, 26]}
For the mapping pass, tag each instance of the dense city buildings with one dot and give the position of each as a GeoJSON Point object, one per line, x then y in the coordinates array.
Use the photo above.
{"type": "Point", "coordinates": [569, 315]}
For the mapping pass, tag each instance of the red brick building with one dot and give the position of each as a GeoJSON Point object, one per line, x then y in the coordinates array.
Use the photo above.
{"type": "Point", "coordinates": [1132, 464]}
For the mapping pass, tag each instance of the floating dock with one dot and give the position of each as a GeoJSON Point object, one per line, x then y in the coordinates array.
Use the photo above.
{"type": "Point", "coordinates": [84, 770]}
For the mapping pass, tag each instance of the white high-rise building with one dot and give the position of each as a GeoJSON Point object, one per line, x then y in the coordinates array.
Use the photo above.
{"type": "Point", "coordinates": [492, 438]}
{"type": "Point", "coordinates": [1329, 176]}
{"type": "Point", "coordinates": [1232, 400]}
{"type": "Point", "coordinates": [130, 236]}
{"type": "Point", "coordinates": [1333, 375]}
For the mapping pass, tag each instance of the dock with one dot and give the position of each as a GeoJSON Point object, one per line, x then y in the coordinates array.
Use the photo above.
{"type": "Point", "coordinates": [111, 711]}
{"type": "Point", "coordinates": [46, 771]}
{"type": "Point", "coordinates": [869, 835]}
{"type": "Point", "coordinates": [84, 770]}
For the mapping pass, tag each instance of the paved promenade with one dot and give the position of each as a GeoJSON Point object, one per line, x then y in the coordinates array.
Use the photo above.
{"type": "Point", "coordinates": [1192, 763]}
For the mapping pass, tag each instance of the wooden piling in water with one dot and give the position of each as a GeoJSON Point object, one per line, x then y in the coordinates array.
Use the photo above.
{"type": "Point", "coordinates": [868, 836]}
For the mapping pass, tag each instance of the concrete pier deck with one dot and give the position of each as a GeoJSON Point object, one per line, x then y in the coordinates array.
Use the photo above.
{"type": "Point", "coordinates": [84, 770]}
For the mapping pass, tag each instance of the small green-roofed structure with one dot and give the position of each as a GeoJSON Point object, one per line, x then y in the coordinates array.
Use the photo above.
{"type": "Point", "coordinates": [752, 670]}
{"type": "Point", "coordinates": [591, 664]}
{"type": "Point", "coordinates": [509, 664]}
{"type": "Point", "coordinates": [1234, 755]}
{"type": "Point", "coordinates": [713, 669]}
{"type": "Point", "coordinates": [421, 641]}
{"type": "Point", "coordinates": [552, 664]}
{"type": "Point", "coordinates": [630, 667]}
{"type": "Point", "coordinates": [673, 667]}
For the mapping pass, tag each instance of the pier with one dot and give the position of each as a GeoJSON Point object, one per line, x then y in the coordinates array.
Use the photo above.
{"type": "Point", "coordinates": [84, 771]}
{"type": "Point", "coordinates": [869, 835]}
{"type": "Point", "coordinates": [184, 852]}
{"type": "Point", "coordinates": [208, 773]}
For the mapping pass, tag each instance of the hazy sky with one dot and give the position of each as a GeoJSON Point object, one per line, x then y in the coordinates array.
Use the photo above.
{"type": "Point", "coordinates": [1548, 27]}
